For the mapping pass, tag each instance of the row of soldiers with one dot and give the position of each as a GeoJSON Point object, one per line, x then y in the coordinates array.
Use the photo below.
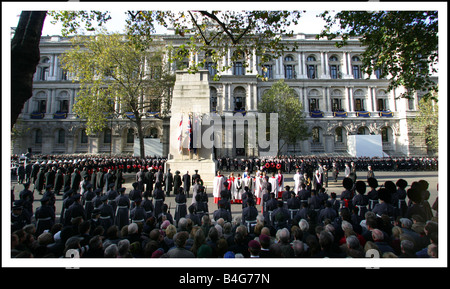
{"type": "Point", "coordinates": [287, 164]}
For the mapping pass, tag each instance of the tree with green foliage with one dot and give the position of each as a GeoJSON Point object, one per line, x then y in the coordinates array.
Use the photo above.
{"type": "Point", "coordinates": [117, 79]}
{"type": "Point", "coordinates": [427, 122]}
{"type": "Point", "coordinates": [403, 45]}
{"type": "Point", "coordinates": [281, 99]}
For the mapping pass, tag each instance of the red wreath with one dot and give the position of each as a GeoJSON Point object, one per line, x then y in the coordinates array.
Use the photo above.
{"type": "Point", "coordinates": [272, 165]}
{"type": "Point", "coordinates": [267, 165]}
{"type": "Point", "coordinates": [278, 166]}
{"type": "Point", "coordinates": [128, 166]}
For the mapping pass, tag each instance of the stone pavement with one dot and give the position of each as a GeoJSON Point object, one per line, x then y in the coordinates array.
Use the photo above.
{"type": "Point", "coordinates": [382, 176]}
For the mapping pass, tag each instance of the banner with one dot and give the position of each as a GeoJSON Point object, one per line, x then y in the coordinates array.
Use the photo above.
{"type": "Point", "coordinates": [340, 114]}
{"type": "Point", "coordinates": [386, 113]}
{"type": "Point", "coordinates": [363, 113]}
{"type": "Point", "coordinates": [180, 136]}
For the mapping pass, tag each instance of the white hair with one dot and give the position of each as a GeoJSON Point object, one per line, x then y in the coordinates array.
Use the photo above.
{"type": "Point", "coordinates": [304, 225]}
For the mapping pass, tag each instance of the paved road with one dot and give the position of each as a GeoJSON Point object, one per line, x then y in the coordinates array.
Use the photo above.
{"type": "Point", "coordinates": [430, 176]}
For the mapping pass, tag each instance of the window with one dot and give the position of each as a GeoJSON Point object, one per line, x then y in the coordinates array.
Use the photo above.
{"type": "Point", "coordinates": [311, 71]}
{"type": "Point", "coordinates": [378, 73]}
{"type": "Point", "coordinates": [359, 104]}
{"type": "Point", "coordinates": [64, 105]}
{"type": "Point", "coordinates": [356, 72]}
{"type": "Point", "coordinates": [384, 134]}
{"type": "Point", "coordinates": [44, 73]}
{"type": "Point", "coordinates": [61, 138]}
{"type": "Point", "coordinates": [311, 58]}
{"type": "Point", "coordinates": [289, 71]}
{"type": "Point", "coordinates": [42, 106]}
{"type": "Point", "coordinates": [238, 68]}
{"type": "Point", "coordinates": [130, 135]}
{"type": "Point", "coordinates": [83, 136]}
{"type": "Point", "coordinates": [38, 136]}
{"type": "Point", "coordinates": [334, 71]}
{"type": "Point", "coordinates": [316, 135]}
{"type": "Point", "coordinates": [362, 130]}
{"type": "Point", "coordinates": [267, 71]}
{"type": "Point", "coordinates": [333, 58]}
{"type": "Point", "coordinates": [211, 66]}
{"type": "Point", "coordinates": [107, 136]}
{"type": "Point", "coordinates": [239, 98]}
{"type": "Point", "coordinates": [213, 98]}
{"type": "Point", "coordinates": [313, 104]}
{"type": "Point", "coordinates": [381, 104]}
{"type": "Point", "coordinates": [289, 58]}
{"type": "Point", "coordinates": [338, 134]}
{"type": "Point", "coordinates": [63, 74]}
{"type": "Point", "coordinates": [336, 104]}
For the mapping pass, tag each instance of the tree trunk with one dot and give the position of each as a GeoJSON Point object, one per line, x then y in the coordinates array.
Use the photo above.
{"type": "Point", "coordinates": [24, 59]}
{"type": "Point", "coordinates": [140, 136]}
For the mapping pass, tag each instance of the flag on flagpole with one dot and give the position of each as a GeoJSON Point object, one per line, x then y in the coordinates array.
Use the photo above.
{"type": "Point", "coordinates": [180, 136]}
{"type": "Point", "coordinates": [189, 131]}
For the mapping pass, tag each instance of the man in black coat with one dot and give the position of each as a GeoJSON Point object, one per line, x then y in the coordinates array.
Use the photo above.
{"type": "Point", "coordinates": [186, 183]}
{"type": "Point", "coordinates": [75, 210]}
{"type": "Point", "coordinates": [75, 181]}
{"type": "Point", "coordinates": [176, 182]}
{"type": "Point", "coordinates": [59, 182]}
{"type": "Point", "coordinates": [168, 182]}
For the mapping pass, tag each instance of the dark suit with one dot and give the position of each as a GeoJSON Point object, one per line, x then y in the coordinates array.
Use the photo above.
{"type": "Point", "coordinates": [186, 184]}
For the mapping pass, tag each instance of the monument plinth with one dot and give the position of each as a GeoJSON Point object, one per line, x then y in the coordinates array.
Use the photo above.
{"type": "Point", "coordinates": [190, 103]}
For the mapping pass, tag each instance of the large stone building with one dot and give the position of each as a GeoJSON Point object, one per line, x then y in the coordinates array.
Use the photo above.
{"type": "Point", "coordinates": [338, 99]}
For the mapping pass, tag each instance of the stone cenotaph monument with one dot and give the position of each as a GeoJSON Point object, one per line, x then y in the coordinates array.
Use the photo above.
{"type": "Point", "coordinates": [190, 103]}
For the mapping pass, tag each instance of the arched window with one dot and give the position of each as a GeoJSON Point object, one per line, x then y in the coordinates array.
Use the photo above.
{"type": "Point", "coordinates": [38, 136]}
{"type": "Point", "coordinates": [130, 135]}
{"type": "Point", "coordinates": [213, 98]}
{"type": "Point", "coordinates": [83, 136]}
{"type": "Point", "coordinates": [239, 98]}
{"type": "Point", "coordinates": [339, 134]}
{"type": "Point", "coordinates": [385, 134]}
{"type": "Point", "coordinates": [334, 67]}
{"type": "Point", "coordinates": [61, 136]}
{"type": "Point", "coordinates": [356, 67]}
{"type": "Point", "coordinates": [311, 67]}
{"type": "Point", "coordinates": [362, 130]}
{"type": "Point", "coordinates": [107, 136]}
{"type": "Point", "coordinates": [316, 135]}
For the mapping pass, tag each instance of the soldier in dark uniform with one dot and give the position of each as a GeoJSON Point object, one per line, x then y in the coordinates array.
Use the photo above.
{"type": "Point", "coordinates": [398, 199]}
{"type": "Point", "coordinates": [138, 213]}
{"type": "Point", "coordinates": [106, 213]}
{"type": "Point", "coordinates": [45, 216]}
{"type": "Point", "coordinates": [347, 195]}
{"type": "Point", "coordinates": [195, 219]}
{"type": "Point", "coordinates": [373, 193]}
{"type": "Point", "coordinates": [109, 179]}
{"type": "Point", "coordinates": [147, 204]}
{"type": "Point", "coordinates": [88, 203]}
{"type": "Point", "coordinates": [222, 213]}
{"type": "Point", "coordinates": [293, 204]}
{"type": "Point", "coordinates": [67, 201]}
{"type": "Point", "coordinates": [249, 214]}
{"type": "Point", "coordinates": [27, 198]}
{"type": "Point", "coordinates": [134, 194]}
{"type": "Point", "coordinates": [149, 179]}
{"type": "Point", "coordinates": [100, 182]}
{"type": "Point", "coordinates": [280, 217]}
{"type": "Point", "coordinates": [140, 178]}
{"type": "Point", "coordinates": [165, 215]}
{"type": "Point", "coordinates": [271, 206]}
{"type": "Point", "coordinates": [159, 177]}
{"type": "Point", "coordinates": [112, 195]}
{"type": "Point", "coordinates": [383, 207]}
{"type": "Point", "coordinates": [195, 176]}
{"type": "Point", "coordinates": [94, 220]}
{"type": "Point", "coordinates": [119, 180]}
{"type": "Point", "coordinates": [159, 198]}
{"type": "Point", "coordinates": [285, 196]}
{"type": "Point", "coordinates": [199, 206]}
{"type": "Point", "coordinates": [40, 179]}
{"type": "Point", "coordinates": [186, 183]}
{"type": "Point", "coordinates": [122, 209]}
{"type": "Point", "coordinates": [75, 210]}
{"type": "Point", "coordinates": [181, 207]}
{"type": "Point", "coordinates": [327, 213]}
{"type": "Point", "coordinates": [34, 171]}
{"type": "Point", "coordinates": [75, 180]}
{"type": "Point", "coordinates": [59, 182]}
{"type": "Point", "coordinates": [50, 176]}
{"type": "Point", "coordinates": [168, 182]}
{"type": "Point", "coordinates": [19, 216]}
{"type": "Point", "coordinates": [360, 200]}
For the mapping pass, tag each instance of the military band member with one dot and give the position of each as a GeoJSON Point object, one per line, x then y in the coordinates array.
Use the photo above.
{"type": "Point", "coordinates": [122, 213]}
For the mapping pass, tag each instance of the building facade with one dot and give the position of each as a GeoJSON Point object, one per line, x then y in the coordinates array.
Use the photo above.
{"type": "Point", "coordinates": [338, 100]}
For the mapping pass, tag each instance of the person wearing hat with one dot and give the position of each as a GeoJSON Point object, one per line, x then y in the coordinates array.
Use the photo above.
{"type": "Point", "coordinates": [106, 213]}
{"type": "Point", "coordinates": [181, 207]}
{"type": "Point", "coordinates": [48, 192]}
{"type": "Point", "coordinates": [249, 214]}
{"type": "Point", "coordinates": [195, 176]}
{"type": "Point", "coordinates": [254, 247]}
{"type": "Point", "coordinates": [138, 213]}
{"type": "Point", "coordinates": [383, 207]}
{"type": "Point", "coordinates": [112, 194]}
{"type": "Point", "coordinates": [59, 182]}
{"type": "Point", "coordinates": [222, 213]}
{"type": "Point", "coordinates": [159, 197]}
{"type": "Point", "coordinates": [87, 200]}
{"type": "Point", "coordinates": [44, 216]}
{"type": "Point", "coordinates": [398, 199]}
{"type": "Point", "coordinates": [347, 195]}
{"type": "Point", "coordinates": [100, 179]}
{"type": "Point", "coordinates": [122, 210]}
{"type": "Point", "coordinates": [39, 181]}
{"type": "Point", "coordinates": [373, 193]}
{"type": "Point", "coordinates": [27, 198]}
{"type": "Point", "coordinates": [140, 179]}
{"type": "Point", "coordinates": [74, 211]}
{"type": "Point", "coordinates": [109, 179]}
{"type": "Point", "coordinates": [19, 217]}
{"type": "Point", "coordinates": [168, 182]}
{"type": "Point", "coordinates": [50, 176]}
{"type": "Point", "coordinates": [147, 205]}
{"type": "Point", "coordinates": [75, 180]}
{"type": "Point", "coordinates": [360, 200]}
{"type": "Point", "coordinates": [134, 194]}
{"type": "Point", "coordinates": [94, 219]}
{"type": "Point", "coordinates": [187, 183]}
